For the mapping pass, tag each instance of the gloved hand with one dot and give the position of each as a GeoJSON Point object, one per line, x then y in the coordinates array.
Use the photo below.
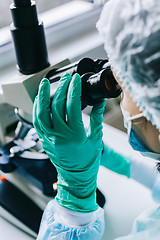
{"type": "Point", "coordinates": [115, 161]}
{"type": "Point", "coordinates": [75, 154]}
{"type": "Point", "coordinates": [143, 171]}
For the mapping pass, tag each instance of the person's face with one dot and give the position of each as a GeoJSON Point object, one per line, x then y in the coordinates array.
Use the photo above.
{"type": "Point", "coordinates": [145, 131]}
{"type": "Point", "coordinates": [127, 101]}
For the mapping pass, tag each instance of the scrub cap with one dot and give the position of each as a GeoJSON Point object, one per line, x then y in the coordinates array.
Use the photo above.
{"type": "Point", "coordinates": [131, 34]}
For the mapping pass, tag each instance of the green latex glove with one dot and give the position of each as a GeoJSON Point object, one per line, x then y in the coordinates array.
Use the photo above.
{"type": "Point", "coordinates": [116, 162]}
{"type": "Point", "coordinates": [75, 154]}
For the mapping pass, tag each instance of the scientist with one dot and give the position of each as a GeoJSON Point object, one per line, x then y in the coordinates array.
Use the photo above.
{"type": "Point", "coordinates": [131, 33]}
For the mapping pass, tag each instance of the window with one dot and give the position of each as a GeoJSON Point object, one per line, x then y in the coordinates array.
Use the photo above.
{"type": "Point", "coordinates": [42, 5]}
{"type": "Point", "coordinates": [63, 26]}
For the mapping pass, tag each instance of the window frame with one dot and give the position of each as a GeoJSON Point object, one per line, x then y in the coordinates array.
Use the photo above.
{"type": "Point", "coordinates": [55, 32]}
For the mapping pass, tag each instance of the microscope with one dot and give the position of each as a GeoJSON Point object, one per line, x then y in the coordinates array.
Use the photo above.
{"type": "Point", "coordinates": [28, 178]}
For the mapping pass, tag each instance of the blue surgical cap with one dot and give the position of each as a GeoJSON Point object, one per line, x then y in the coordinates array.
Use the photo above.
{"type": "Point", "coordinates": [131, 33]}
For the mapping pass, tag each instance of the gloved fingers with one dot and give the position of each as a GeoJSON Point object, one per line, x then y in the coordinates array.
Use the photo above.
{"type": "Point", "coordinates": [43, 107]}
{"type": "Point", "coordinates": [74, 113]}
{"type": "Point", "coordinates": [58, 106]}
{"type": "Point", "coordinates": [47, 140]}
{"type": "Point", "coordinates": [36, 121]}
{"type": "Point", "coordinates": [38, 126]}
{"type": "Point", "coordinates": [96, 118]}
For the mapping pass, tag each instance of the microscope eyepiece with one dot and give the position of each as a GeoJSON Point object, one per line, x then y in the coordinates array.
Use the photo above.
{"type": "Point", "coordinates": [83, 66]}
{"type": "Point", "coordinates": [96, 87]}
{"type": "Point", "coordinates": [98, 81]}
